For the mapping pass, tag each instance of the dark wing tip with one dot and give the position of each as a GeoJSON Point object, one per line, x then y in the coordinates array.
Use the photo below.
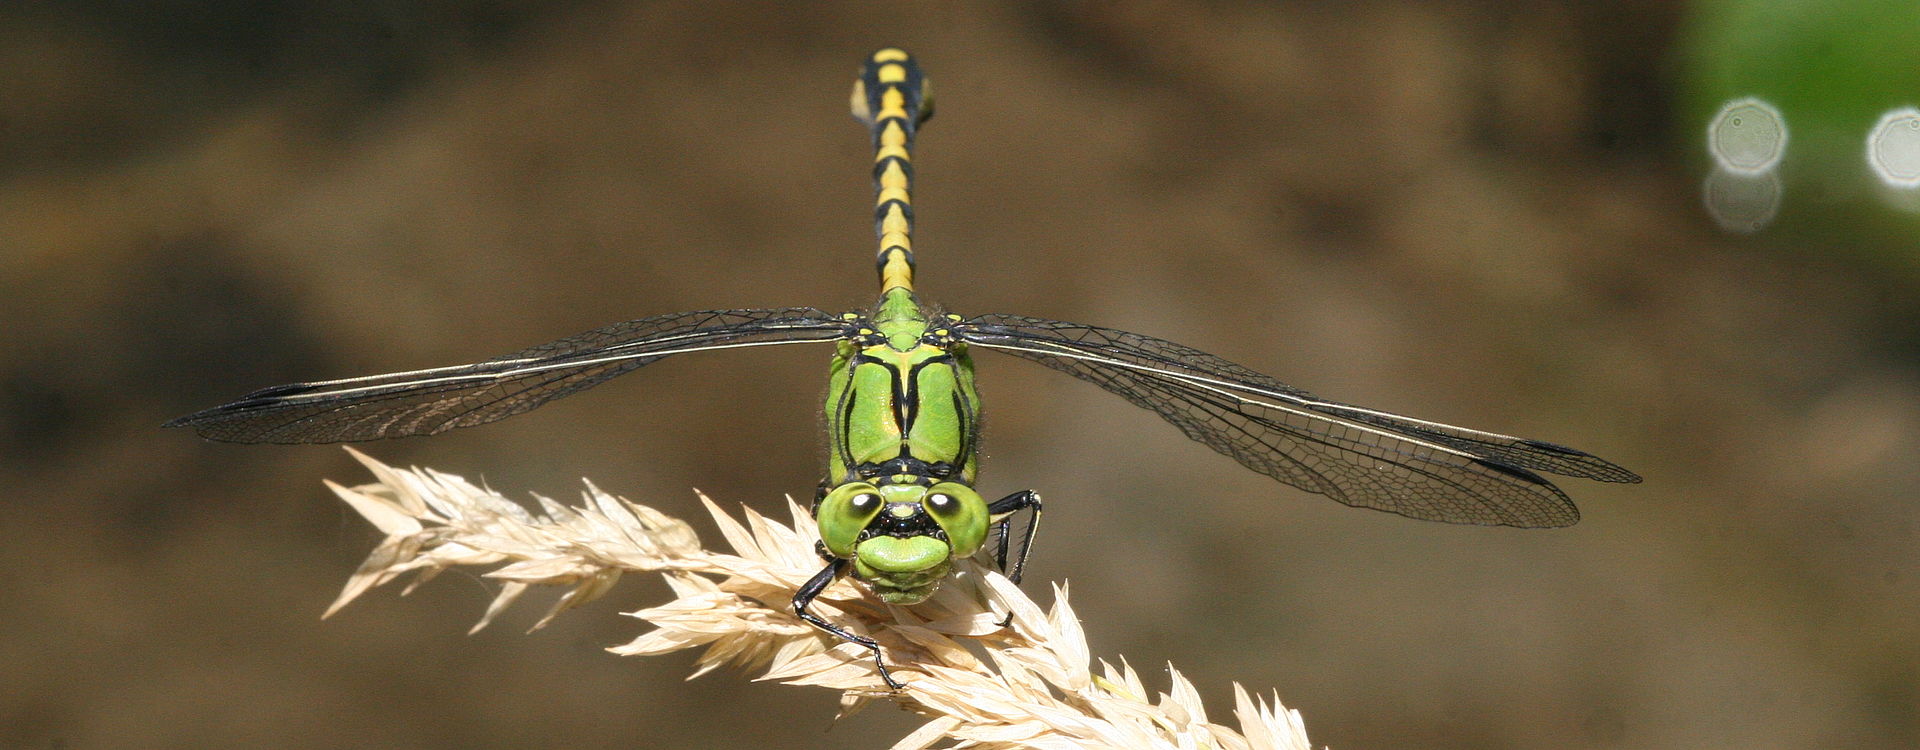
{"type": "Point", "coordinates": [242, 422]}
{"type": "Point", "coordinates": [198, 420]}
{"type": "Point", "coordinates": [1595, 467]}
{"type": "Point", "coordinates": [206, 421]}
{"type": "Point", "coordinates": [208, 424]}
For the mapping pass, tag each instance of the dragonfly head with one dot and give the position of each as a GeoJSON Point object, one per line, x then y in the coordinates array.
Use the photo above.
{"type": "Point", "coordinates": [902, 537]}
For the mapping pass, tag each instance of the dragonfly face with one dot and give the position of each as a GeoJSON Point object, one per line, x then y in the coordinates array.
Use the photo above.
{"type": "Point", "coordinates": [901, 534]}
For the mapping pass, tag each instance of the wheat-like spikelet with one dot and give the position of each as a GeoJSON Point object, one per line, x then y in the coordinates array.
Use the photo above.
{"type": "Point", "coordinates": [979, 684]}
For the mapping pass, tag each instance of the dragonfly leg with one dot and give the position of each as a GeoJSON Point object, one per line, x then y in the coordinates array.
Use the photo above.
{"type": "Point", "coordinates": [811, 590]}
{"type": "Point", "coordinates": [1000, 532]}
{"type": "Point", "coordinates": [1004, 509]}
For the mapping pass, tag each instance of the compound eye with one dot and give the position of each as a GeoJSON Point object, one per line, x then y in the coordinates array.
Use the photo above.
{"type": "Point", "coordinates": [961, 514]}
{"type": "Point", "coordinates": [865, 502]}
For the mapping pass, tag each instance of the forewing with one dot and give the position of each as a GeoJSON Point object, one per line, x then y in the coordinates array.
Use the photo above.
{"type": "Point", "coordinates": [1357, 456]}
{"type": "Point", "coordinates": [425, 402]}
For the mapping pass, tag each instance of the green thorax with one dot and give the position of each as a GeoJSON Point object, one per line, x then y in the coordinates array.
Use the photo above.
{"type": "Point", "coordinates": [901, 404]}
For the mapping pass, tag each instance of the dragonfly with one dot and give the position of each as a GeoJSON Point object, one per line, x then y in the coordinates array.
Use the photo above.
{"type": "Point", "coordinates": [898, 503]}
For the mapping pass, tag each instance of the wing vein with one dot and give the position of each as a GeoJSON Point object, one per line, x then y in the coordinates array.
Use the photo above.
{"type": "Point", "coordinates": [425, 402]}
{"type": "Point", "coordinates": [1356, 456]}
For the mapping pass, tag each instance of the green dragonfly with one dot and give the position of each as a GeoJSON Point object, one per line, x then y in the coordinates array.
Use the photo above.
{"type": "Point", "coordinates": [898, 503]}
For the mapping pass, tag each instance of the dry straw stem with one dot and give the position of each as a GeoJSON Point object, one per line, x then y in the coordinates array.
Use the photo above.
{"type": "Point", "coordinates": [980, 685]}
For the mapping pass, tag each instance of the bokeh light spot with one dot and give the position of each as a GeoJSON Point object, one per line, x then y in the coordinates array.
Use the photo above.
{"type": "Point", "coordinates": [1893, 148]}
{"type": "Point", "coordinates": [1748, 136]}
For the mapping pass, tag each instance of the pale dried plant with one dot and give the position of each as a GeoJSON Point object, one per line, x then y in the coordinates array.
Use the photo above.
{"type": "Point", "coordinates": [979, 684]}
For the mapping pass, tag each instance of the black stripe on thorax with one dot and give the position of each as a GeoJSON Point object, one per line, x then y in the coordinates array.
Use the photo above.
{"type": "Point", "coordinates": [906, 389]}
{"type": "Point", "coordinates": [913, 390]}
{"type": "Point", "coordinates": [914, 470]}
{"type": "Point", "coordinates": [899, 394]}
{"type": "Point", "coordinates": [843, 431]}
{"type": "Point", "coordinates": [965, 417]}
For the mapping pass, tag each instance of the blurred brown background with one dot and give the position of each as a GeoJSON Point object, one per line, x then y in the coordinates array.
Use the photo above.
{"type": "Point", "coordinates": [1483, 213]}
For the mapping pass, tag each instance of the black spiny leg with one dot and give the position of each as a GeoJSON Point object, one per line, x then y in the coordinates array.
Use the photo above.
{"type": "Point", "coordinates": [811, 591]}
{"type": "Point", "coordinates": [1004, 508]}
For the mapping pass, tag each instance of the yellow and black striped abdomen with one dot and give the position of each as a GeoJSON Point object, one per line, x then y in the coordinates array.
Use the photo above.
{"type": "Point", "coordinates": [891, 97]}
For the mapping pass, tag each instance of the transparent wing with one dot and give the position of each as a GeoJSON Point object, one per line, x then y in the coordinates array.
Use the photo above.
{"type": "Point", "coordinates": [1358, 456]}
{"type": "Point", "coordinates": [425, 402]}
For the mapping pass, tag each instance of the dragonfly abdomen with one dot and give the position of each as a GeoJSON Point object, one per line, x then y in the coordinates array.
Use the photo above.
{"type": "Point", "coordinates": [891, 98]}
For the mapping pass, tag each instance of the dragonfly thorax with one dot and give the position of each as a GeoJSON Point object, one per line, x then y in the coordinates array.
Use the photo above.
{"type": "Point", "coordinates": [900, 398]}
